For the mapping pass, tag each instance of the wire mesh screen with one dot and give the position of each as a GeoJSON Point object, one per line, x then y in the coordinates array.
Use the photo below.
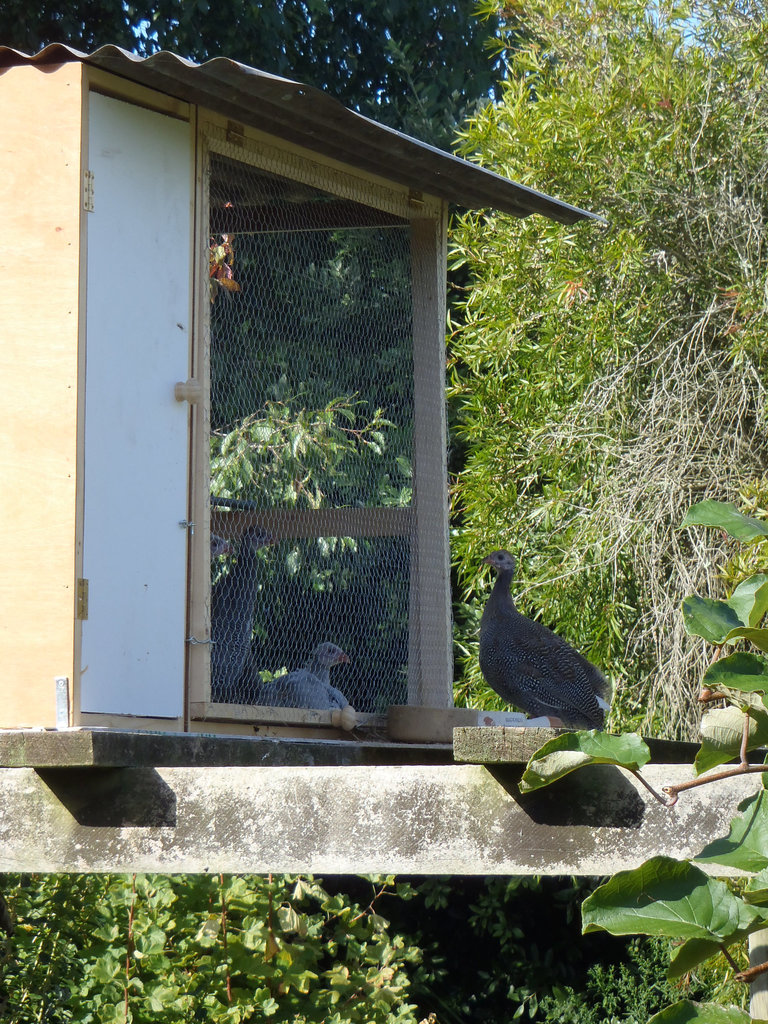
{"type": "Point", "coordinates": [312, 395]}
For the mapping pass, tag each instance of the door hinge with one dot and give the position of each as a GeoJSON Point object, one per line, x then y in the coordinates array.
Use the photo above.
{"type": "Point", "coordinates": [88, 188]}
{"type": "Point", "coordinates": [82, 600]}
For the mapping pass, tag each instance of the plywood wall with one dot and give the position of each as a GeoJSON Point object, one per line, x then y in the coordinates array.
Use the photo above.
{"type": "Point", "coordinates": [40, 203]}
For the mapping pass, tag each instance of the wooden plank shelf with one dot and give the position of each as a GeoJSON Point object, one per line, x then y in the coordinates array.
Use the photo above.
{"type": "Point", "coordinates": [113, 748]}
{"type": "Point", "coordinates": [516, 745]}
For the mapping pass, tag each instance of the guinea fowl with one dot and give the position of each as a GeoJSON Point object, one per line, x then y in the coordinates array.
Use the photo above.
{"type": "Point", "coordinates": [532, 667]}
{"type": "Point", "coordinates": [233, 599]}
{"type": "Point", "coordinates": [308, 687]}
{"type": "Point", "coordinates": [219, 546]}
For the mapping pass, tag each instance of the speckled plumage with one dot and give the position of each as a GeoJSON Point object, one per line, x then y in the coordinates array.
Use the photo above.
{"type": "Point", "coordinates": [533, 668]}
{"type": "Point", "coordinates": [308, 687]}
{"type": "Point", "coordinates": [233, 600]}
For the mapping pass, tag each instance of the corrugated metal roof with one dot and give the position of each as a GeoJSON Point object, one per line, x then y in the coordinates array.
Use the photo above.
{"type": "Point", "coordinates": [306, 116]}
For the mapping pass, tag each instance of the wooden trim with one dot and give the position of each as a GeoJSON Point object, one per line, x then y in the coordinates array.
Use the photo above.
{"type": "Point", "coordinates": [41, 118]}
{"type": "Point", "coordinates": [131, 92]}
{"type": "Point", "coordinates": [199, 617]}
{"type": "Point", "coordinates": [194, 368]}
{"type": "Point", "coordinates": [93, 720]}
{"type": "Point", "coordinates": [273, 154]}
{"type": "Point", "coordinates": [430, 654]}
{"type": "Point", "coordinates": [220, 727]}
{"type": "Point", "coordinates": [81, 360]}
{"type": "Point", "coordinates": [284, 524]}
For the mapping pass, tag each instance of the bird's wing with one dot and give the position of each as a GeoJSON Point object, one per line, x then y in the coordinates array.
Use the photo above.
{"type": "Point", "coordinates": [336, 698]}
{"type": "Point", "coordinates": [555, 694]}
{"type": "Point", "coordinates": [298, 689]}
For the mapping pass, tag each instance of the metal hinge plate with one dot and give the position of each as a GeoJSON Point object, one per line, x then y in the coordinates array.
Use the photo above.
{"type": "Point", "coordinates": [88, 189]}
{"type": "Point", "coordinates": [82, 599]}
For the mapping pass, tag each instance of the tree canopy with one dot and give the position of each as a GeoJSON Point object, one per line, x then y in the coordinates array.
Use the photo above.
{"type": "Point", "coordinates": [604, 379]}
{"type": "Point", "coordinates": [420, 68]}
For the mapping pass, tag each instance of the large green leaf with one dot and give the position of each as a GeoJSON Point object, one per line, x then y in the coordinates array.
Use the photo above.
{"type": "Point", "coordinates": [725, 516]}
{"type": "Point", "coordinates": [573, 750]}
{"type": "Point", "coordinates": [750, 599]}
{"type": "Point", "coordinates": [739, 671]}
{"type": "Point", "coordinates": [756, 891]}
{"type": "Point", "coordinates": [700, 1013]}
{"type": "Point", "coordinates": [721, 732]}
{"type": "Point", "coordinates": [746, 845]}
{"type": "Point", "coordinates": [713, 620]}
{"type": "Point", "coordinates": [696, 951]}
{"type": "Point", "coordinates": [758, 637]}
{"type": "Point", "coordinates": [691, 954]}
{"type": "Point", "coordinates": [667, 897]}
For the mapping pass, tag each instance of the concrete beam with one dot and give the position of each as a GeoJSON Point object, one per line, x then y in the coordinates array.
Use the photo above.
{"type": "Point", "coordinates": [339, 819]}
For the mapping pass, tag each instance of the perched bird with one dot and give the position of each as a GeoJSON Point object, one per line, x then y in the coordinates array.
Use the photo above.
{"type": "Point", "coordinates": [219, 546]}
{"type": "Point", "coordinates": [308, 687]}
{"type": "Point", "coordinates": [532, 667]}
{"type": "Point", "coordinates": [233, 599]}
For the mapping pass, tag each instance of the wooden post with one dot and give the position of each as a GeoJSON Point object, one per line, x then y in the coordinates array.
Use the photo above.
{"type": "Point", "coordinates": [758, 990]}
{"type": "Point", "coordinates": [430, 654]}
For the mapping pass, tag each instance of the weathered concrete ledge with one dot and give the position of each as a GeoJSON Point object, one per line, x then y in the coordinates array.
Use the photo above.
{"type": "Point", "coordinates": [433, 819]}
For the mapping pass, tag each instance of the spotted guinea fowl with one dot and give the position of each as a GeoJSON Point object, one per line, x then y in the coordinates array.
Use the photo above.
{"type": "Point", "coordinates": [233, 599]}
{"type": "Point", "coordinates": [532, 667]}
{"type": "Point", "coordinates": [308, 687]}
{"type": "Point", "coordinates": [219, 546]}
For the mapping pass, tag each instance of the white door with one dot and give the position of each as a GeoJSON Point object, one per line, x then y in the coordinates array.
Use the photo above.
{"type": "Point", "coordinates": [136, 434]}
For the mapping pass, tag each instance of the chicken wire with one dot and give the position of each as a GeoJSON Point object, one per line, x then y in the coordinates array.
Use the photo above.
{"type": "Point", "coordinates": [312, 414]}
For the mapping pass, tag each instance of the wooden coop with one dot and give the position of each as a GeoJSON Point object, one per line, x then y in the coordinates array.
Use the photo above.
{"type": "Point", "coordinates": [223, 359]}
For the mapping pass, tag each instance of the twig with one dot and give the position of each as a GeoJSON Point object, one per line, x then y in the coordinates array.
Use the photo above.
{"type": "Point", "coordinates": [729, 958]}
{"type": "Point", "coordinates": [228, 975]}
{"type": "Point", "coordinates": [751, 973]}
{"type": "Point", "coordinates": [652, 791]}
{"type": "Point", "coordinates": [129, 943]}
{"type": "Point", "coordinates": [376, 896]}
{"type": "Point", "coordinates": [729, 773]}
{"type": "Point", "coordinates": [744, 741]}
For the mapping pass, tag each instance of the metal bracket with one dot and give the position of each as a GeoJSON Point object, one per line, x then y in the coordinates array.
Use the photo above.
{"type": "Point", "coordinates": [62, 702]}
{"type": "Point", "coordinates": [81, 598]}
{"type": "Point", "coordinates": [88, 192]}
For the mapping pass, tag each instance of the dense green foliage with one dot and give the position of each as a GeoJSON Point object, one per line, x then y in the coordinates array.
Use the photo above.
{"type": "Point", "coordinates": [603, 378]}
{"type": "Point", "coordinates": [675, 899]}
{"type": "Point", "coordinates": [418, 67]}
{"type": "Point", "coordinates": [103, 948]}
{"type": "Point", "coordinates": [214, 948]}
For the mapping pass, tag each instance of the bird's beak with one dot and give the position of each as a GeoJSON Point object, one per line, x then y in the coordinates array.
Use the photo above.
{"type": "Point", "coordinates": [342, 659]}
{"type": "Point", "coordinates": [487, 560]}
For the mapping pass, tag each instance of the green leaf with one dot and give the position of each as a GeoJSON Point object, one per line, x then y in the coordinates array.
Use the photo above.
{"type": "Point", "coordinates": [759, 637]}
{"type": "Point", "coordinates": [572, 750]}
{"type": "Point", "coordinates": [746, 845]}
{"type": "Point", "coordinates": [667, 897]}
{"type": "Point", "coordinates": [721, 732]}
{"type": "Point", "coordinates": [756, 892]}
{"type": "Point", "coordinates": [739, 671]}
{"type": "Point", "coordinates": [700, 1013]}
{"type": "Point", "coordinates": [725, 516]}
{"type": "Point", "coordinates": [750, 599]}
{"type": "Point", "coordinates": [713, 620]}
{"type": "Point", "coordinates": [690, 955]}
